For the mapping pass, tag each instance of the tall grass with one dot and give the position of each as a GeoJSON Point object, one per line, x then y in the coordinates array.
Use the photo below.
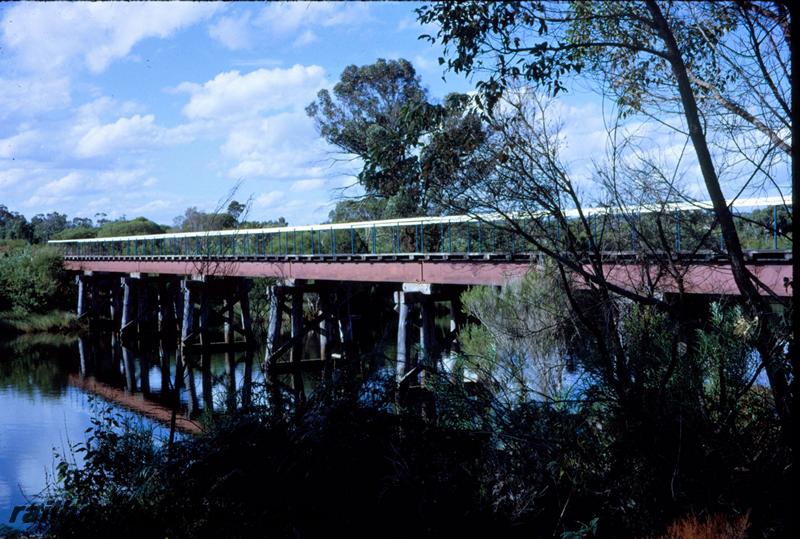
{"type": "Point", "coordinates": [14, 323]}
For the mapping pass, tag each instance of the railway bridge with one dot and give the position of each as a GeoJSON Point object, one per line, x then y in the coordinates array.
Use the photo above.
{"type": "Point", "coordinates": [190, 281]}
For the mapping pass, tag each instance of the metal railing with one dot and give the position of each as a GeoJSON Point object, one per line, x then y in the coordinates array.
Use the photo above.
{"type": "Point", "coordinates": [684, 226]}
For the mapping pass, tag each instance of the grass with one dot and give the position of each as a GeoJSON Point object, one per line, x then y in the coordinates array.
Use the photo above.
{"type": "Point", "coordinates": [12, 323]}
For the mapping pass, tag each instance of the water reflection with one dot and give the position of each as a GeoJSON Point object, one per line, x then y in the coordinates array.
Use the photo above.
{"type": "Point", "coordinates": [208, 381]}
{"type": "Point", "coordinates": [48, 385]}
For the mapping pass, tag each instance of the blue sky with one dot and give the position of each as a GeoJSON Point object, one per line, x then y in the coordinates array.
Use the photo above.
{"type": "Point", "coordinates": [149, 108]}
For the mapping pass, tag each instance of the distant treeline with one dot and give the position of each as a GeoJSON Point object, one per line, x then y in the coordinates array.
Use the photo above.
{"type": "Point", "coordinates": [16, 229]}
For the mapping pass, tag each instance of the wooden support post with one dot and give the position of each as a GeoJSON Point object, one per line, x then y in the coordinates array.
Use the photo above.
{"type": "Point", "coordinates": [203, 322]}
{"type": "Point", "coordinates": [346, 332]}
{"type": "Point", "coordinates": [274, 324]}
{"type": "Point", "coordinates": [177, 302]}
{"type": "Point", "coordinates": [82, 353]}
{"type": "Point", "coordinates": [402, 335]}
{"type": "Point", "coordinates": [81, 307]}
{"type": "Point", "coordinates": [297, 347]}
{"type": "Point", "coordinates": [188, 314]}
{"type": "Point", "coordinates": [244, 305]}
{"type": "Point", "coordinates": [325, 333]}
{"type": "Point", "coordinates": [191, 385]}
{"type": "Point", "coordinates": [130, 369]}
{"type": "Point", "coordinates": [227, 327]}
{"type": "Point", "coordinates": [127, 303]}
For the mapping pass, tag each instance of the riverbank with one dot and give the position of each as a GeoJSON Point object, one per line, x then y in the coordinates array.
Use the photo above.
{"type": "Point", "coordinates": [61, 322]}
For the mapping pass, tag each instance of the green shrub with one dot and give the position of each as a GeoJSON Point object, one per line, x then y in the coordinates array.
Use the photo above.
{"type": "Point", "coordinates": [32, 280]}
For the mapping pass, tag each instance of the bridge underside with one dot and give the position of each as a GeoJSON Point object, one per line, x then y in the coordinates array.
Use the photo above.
{"type": "Point", "coordinates": [703, 277]}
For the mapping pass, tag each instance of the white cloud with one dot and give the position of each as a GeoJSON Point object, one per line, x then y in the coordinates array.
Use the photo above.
{"type": "Point", "coordinates": [51, 36]}
{"type": "Point", "coordinates": [132, 133]}
{"type": "Point", "coordinates": [282, 20]}
{"type": "Point", "coordinates": [306, 38]}
{"type": "Point", "coordinates": [29, 97]}
{"type": "Point", "coordinates": [268, 200]}
{"type": "Point", "coordinates": [23, 144]}
{"type": "Point", "coordinates": [125, 132]}
{"type": "Point", "coordinates": [282, 146]}
{"type": "Point", "coordinates": [289, 17]}
{"type": "Point", "coordinates": [303, 186]}
{"type": "Point", "coordinates": [233, 94]}
{"type": "Point", "coordinates": [234, 33]}
{"type": "Point", "coordinates": [115, 185]}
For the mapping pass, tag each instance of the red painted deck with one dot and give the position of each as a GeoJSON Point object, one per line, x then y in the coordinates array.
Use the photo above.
{"type": "Point", "coordinates": [697, 277]}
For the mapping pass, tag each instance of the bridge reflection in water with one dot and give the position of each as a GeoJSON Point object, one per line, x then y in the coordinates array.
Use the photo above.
{"type": "Point", "coordinates": [186, 288]}
{"type": "Point", "coordinates": [155, 381]}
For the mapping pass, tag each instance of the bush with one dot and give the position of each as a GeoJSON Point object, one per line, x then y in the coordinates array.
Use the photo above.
{"type": "Point", "coordinates": [32, 280]}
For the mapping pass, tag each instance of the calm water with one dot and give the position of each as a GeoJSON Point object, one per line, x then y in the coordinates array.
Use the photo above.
{"type": "Point", "coordinates": [51, 387]}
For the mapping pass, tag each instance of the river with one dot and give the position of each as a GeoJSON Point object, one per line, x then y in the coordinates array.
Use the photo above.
{"type": "Point", "coordinates": [52, 386]}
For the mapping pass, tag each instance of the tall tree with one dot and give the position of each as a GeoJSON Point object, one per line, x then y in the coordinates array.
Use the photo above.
{"type": "Point", "coordinates": [381, 114]}
{"type": "Point", "coordinates": [662, 59]}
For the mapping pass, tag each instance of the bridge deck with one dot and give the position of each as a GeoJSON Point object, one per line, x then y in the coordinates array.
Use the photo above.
{"type": "Point", "coordinates": [701, 272]}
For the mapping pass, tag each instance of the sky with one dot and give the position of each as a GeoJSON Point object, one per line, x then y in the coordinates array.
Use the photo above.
{"type": "Point", "coordinates": [149, 108]}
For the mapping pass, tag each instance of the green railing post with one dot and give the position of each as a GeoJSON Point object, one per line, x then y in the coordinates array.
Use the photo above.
{"type": "Point", "coordinates": [775, 227]}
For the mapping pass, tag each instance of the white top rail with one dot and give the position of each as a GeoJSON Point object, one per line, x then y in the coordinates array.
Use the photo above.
{"type": "Point", "coordinates": [414, 221]}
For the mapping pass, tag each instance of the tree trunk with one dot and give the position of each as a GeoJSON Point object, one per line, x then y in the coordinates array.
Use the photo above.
{"type": "Point", "coordinates": [766, 340]}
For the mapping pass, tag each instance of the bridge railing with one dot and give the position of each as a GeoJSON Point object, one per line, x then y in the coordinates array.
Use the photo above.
{"type": "Point", "coordinates": [678, 227]}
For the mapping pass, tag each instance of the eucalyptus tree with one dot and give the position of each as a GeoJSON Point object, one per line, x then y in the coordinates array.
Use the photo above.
{"type": "Point", "coordinates": [381, 114]}
{"type": "Point", "coordinates": [717, 72]}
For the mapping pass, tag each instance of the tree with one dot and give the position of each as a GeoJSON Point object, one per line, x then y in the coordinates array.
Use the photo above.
{"type": "Point", "coordinates": [13, 225]}
{"type": "Point", "coordinates": [194, 220]}
{"type": "Point", "coordinates": [657, 59]}
{"type": "Point", "coordinates": [46, 226]}
{"type": "Point", "coordinates": [235, 209]}
{"type": "Point", "coordinates": [131, 227]}
{"type": "Point", "coordinates": [381, 114]}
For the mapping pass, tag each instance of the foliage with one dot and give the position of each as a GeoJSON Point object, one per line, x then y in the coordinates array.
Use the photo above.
{"type": "Point", "coordinates": [32, 280]}
{"type": "Point", "coordinates": [586, 465]}
{"type": "Point", "coordinates": [76, 233]}
{"type": "Point", "coordinates": [132, 227]}
{"type": "Point", "coordinates": [14, 225]}
{"type": "Point", "coordinates": [382, 114]}
{"type": "Point", "coordinates": [518, 340]}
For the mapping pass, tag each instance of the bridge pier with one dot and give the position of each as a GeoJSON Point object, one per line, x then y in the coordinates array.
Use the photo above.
{"type": "Point", "coordinates": [296, 354]}
{"type": "Point", "coordinates": [402, 306]}
{"type": "Point", "coordinates": [127, 304]}
{"type": "Point", "coordinates": [274, 324]}
{"type": "Point", "coordinates": [326, 334]}
{"type": "Point", "coordinates": [80, 309]}
{"type": "Point", "coordinates": [187, 320]}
